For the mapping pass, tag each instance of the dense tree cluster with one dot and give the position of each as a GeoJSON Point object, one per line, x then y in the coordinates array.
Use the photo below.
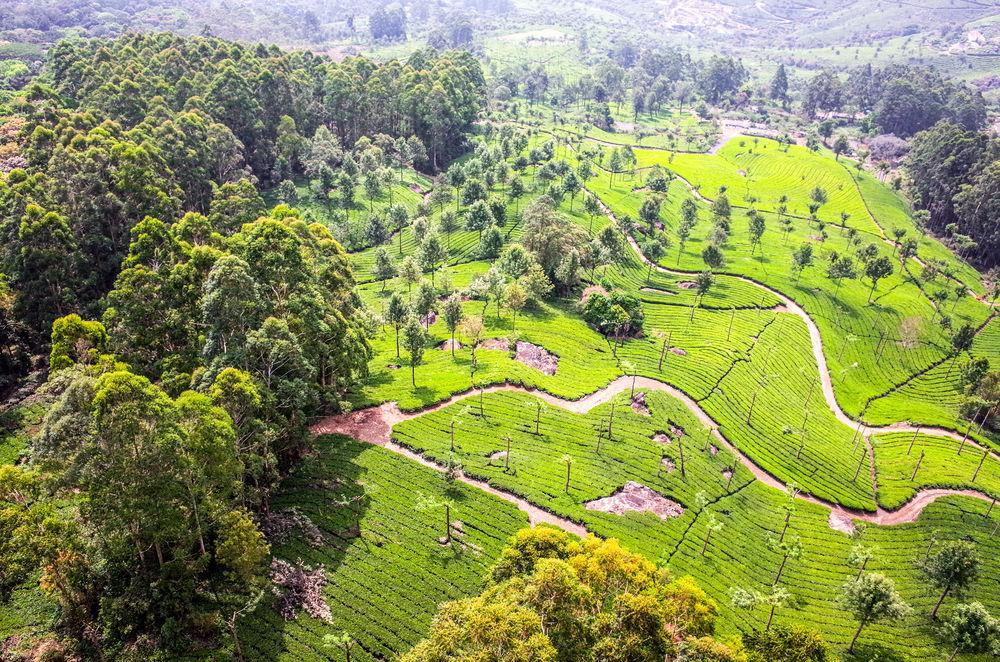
{"type": "Point", "coordinates": [252, 89]}
{"type": "Point", "coordinates": [159, 125]}
{"type": "Point", "coordinates": [651, 79]}
{"type": "Point", "coordinates": [553, 598]}
{"type": "Point", "coordinates": [173, 419]}
{"type": "Point", "coordinates": [954, 175]}
{"type": "Point", "coordinates": [388, 23]}
{"type": "Point", "coordinates": [901, 99]}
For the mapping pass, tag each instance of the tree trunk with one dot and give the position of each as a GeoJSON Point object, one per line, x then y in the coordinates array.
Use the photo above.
{"type": "Point", "coordinates": [850, 649]}
{"type": "Point", "coordinates": [447, 523]}
{"type": "Point", "coordinates": [236, 642]}
{"type": "Point", "coordinates": [940, 600]}
{"type": "Point", "coordinates": [781, 569]}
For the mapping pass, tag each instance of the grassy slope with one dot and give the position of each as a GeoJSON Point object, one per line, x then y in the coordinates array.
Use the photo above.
{"type": "Point", "coordinates": [750, 512]}
{"type": "Point", "coordinates": [852, 328]}
{"type": "Point", "coordinates": [383, 585]}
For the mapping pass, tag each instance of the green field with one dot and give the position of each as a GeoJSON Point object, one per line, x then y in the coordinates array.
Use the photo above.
{"type": "Point", "coordinates": [385, 569]}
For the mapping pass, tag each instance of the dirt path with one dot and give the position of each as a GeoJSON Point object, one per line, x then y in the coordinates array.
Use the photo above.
{"type": "Point", "coordinates": [374, 425]}
{"type": "Point", "coordinates": [730, 129]}
{"type": "Point", "coordinates": [816, 340]}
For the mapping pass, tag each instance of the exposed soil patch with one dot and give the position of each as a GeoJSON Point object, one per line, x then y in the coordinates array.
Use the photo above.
{"type": "Point", "coordinates": [841, 521]}
{"type": "Point", "coordinates": [639, 405]}
{"type": "Point", "coordinates": [656, 290]}
{"type": "Point", "coordinates": [676, 431]}
{"type": "Point", "coordinates": [635, 497]}
{"type": "Point", "coordinates": [429, 319]}
{"type": "Point", "coordinates": [372, 425]}
{"type": "Point", "coordinates": [496, 457]}
{"type": "Point", "coordinates": [593, 289]}
{"type": "Point", "coordinates": [742, 173]}
{"type": "Point", "coordinates": [661, 438]}
{"type": "Point", "coordinates": [536, 357]}
{"type": "Point", "coordinates": [279, 525]}
{"type": "Point", "coordinates": [678, 351]}
{"type": "Point", "coordinates": [447, 345]}
{"type": "Point", "coordinates": [687, 285]}
{"type": "Point", "coordinates": [500, 344]}
{"type": "Point", "coordinates": [392, 366]}
{"type": "Point", "coordinates": [713, 449]}
{"type": "Point", "coordinates": [668, 464]}
{"type": "Point", "coordinates": [727, 473]}
{"type": "Point", "coordinates": [299, 587]}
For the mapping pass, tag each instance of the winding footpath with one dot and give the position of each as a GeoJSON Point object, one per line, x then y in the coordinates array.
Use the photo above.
{"type": "Point", "coordinates": [374, 425]}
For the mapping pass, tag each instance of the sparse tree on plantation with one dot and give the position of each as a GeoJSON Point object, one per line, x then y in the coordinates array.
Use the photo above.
{"type": "Point", "coordinates": [971, 629]}
{"type": "Point", "coordinates": [721, 209]}
{"type": "Point", "coordinates": [840, 268]}
{"type": "Point", "coordinates": [841, 146]}
{"type": "Point", "coordinates": [593, 208]}
{"type": "Point", "coordinates": [472, 329]}
{"type": "Point", "coordinates": [712, 525]}
{"type": "Point", "coordinates": [650, 212]}
{"type": "Point", "coordinates": [654, 248]}
{"type": "Point", "coordinates": [409, 271]}
{"type": "Point", "coordinates": [860, 556]}
{"type": "Point", "coordinates": [384, 268]}
{"type": "Point", "coordinates": [776, 599]}
{"type": "Point", "coordinates": [372, 182]}
{"type": "Point", "coordinates": [396, 314]}
{"type": "Point", "coordinates": [514, 298]}
{"type": "Point", "coordinates": [515, 190]}
{"type": "Point", "coordinates": [571, 186]}
{"type": "Point", "coordinates": [479, 217]}
{"type": "Point", "coordinates": [951, 569]}
{"type": "Point", "coordinates": [876, 270]}
{"type": "Point", "coordinates": [703, 284]}
{"type": "Point", "coordinates": [432, 253]}
{"type": "Point", "coordinates": [414, 337]}
{"type": "Point", "coordinates": [907, 250]}
{"type": "Point", "coordinates": [615, 166]}
{"type": "Point", "coordinates": [426, 503]}
{"type": "Point", "coordinates": [756, 229]}
{"type": "Point", "coordinates": [455, 177]}
{"type": "Point", "coordinates": [872, 598]}
{"type": "Point", "coordinates": [439, 197]}
{"type": "Point", "coordinates": [344, 641]}
{"type": "Point", "coordinates": [424, 302]}
{"type": "Point", "coordinates": [453, 317]}
{"type": "Point", "coordinates": [789, 547]}
{"type": "Point", "coordinates": [802, 258]}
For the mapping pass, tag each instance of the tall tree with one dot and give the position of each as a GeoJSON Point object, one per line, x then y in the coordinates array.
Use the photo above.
{"type": "Point", "coordinates": [872, 598]}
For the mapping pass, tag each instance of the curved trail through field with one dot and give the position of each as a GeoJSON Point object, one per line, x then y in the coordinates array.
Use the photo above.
{"type": "Point", "coordinates": [816, 340]}
{"type": "Point", "coordinates": [374, 425]}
